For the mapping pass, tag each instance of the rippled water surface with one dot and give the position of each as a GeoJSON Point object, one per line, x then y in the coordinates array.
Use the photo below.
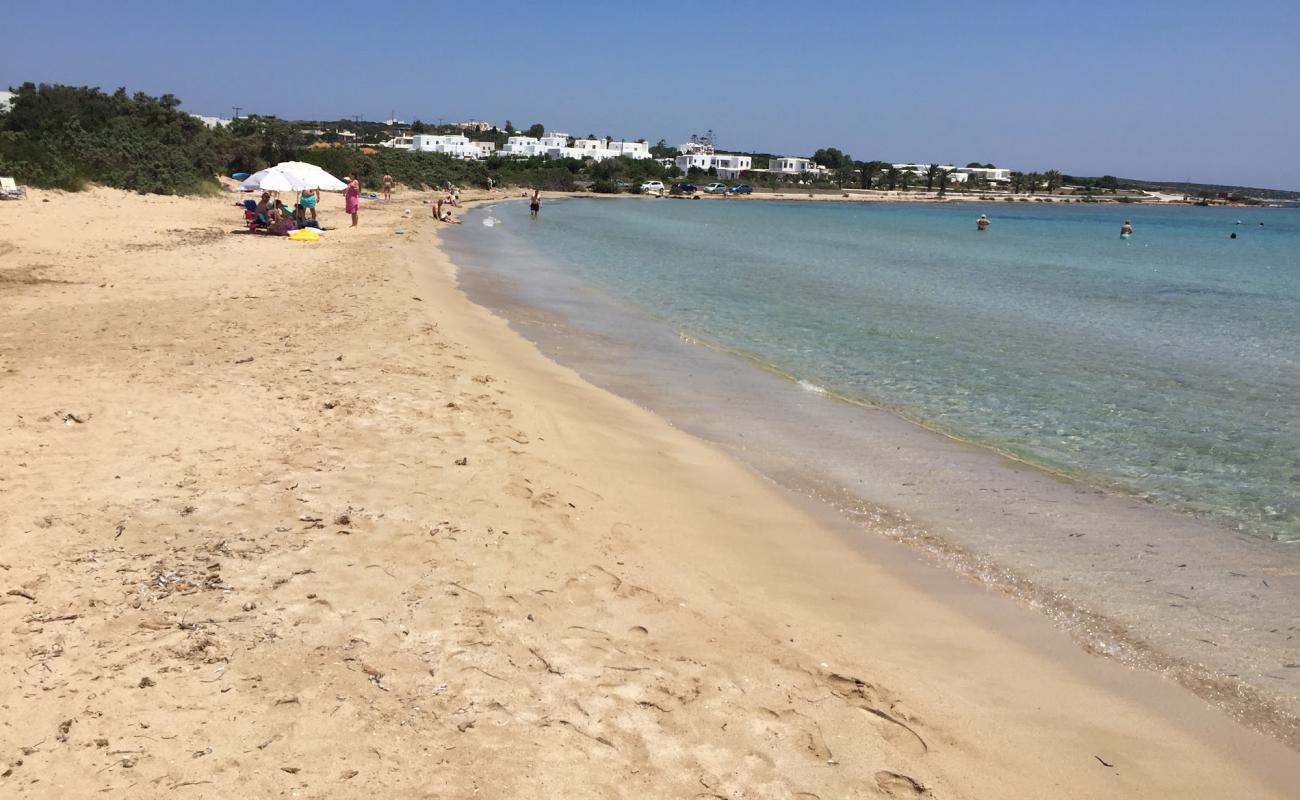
{"type": "Point", "coordinates": [1164, 365]}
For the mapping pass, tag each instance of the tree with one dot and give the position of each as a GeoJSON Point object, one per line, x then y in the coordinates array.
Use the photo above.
{"type": "Point", "coordinates": [510, 128]}
{"type": "Point", "coordinates": [891, 177]}
{"type": "Point", "coordinates": [931, 172]}
{"type": "Point", "coordinates": [943, 181]}
{"type": "Point", "coordinates": [1053, 180]}
{"type": "Point", "coordinates": [537, 130]}
{"type": "Point", "coordinates": [905, 178]}
{"type": "Point", "coordinates": [1109, 182]}
{"type": "Point", "coordinates": [418, 127]}
{"type": "Point", "coordinates": [831, 158]}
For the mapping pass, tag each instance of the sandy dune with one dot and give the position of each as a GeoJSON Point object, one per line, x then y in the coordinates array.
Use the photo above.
{"type": "Point", "coordinates": [292, 519]}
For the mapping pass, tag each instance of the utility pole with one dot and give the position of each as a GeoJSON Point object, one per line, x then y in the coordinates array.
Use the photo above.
{"type": "Point", "coordinates": [237, 110]}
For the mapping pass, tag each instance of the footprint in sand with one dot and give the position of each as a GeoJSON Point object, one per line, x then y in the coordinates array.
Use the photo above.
{"type": "Point", "coordinates": [895, 784]}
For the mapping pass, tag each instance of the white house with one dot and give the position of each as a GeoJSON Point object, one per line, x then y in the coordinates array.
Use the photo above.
{"type": "Point", "coordinates": [6, 101]}
{"type": "Point", "coordinates": [729, 166]}
{"type": "Point", "coordinates": [522, 147]}
{"type": "Point", "coordinates": [398, 142]}
{"type": "Point", "coordinates": [212, 122]}
{"type": "Point", "coordinates": [991, 174]}
{"type": "Point", "coordinates": [485, 149]}
{"type": "Point", "coordinates": [791, 165]}
{"type": "Point", "coordinates": [453, 145]}
{"type": "Point", "coordinates": [688, 161]}
{"type": "Point", "coordinates": [694, 148]}
{"type": "Point", "coordinates": [635, 150]}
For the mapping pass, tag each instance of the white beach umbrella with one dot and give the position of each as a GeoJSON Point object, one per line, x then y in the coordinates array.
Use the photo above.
{"type": "Point", "coordinates": [316, 176]}
{"type": "Point", "coordinates": [292, 176]}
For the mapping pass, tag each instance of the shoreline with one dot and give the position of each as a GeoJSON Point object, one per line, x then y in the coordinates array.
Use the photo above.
{"type": "Point", "coordinates": [254, 500]}
{"type": "Point", "coordinates": [1236, 679]}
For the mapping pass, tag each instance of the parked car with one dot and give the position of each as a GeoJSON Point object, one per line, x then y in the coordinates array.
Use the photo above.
{"type": "Point", "coordinates": [684, 188]}
{"type": "Point", "coordinates": [715, 188]}
{"type": "Point", "coordinates": [652, 186]}
{"type": "Point", "coordinates": [742, 188]}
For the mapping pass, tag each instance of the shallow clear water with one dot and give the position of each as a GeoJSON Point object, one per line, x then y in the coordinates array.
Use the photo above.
{"type": "Point", "coordinates": [1165, 364]}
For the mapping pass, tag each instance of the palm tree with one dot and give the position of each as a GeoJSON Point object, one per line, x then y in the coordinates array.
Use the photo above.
{"type": "Point", "coordinates": [891, 177]}
{"type": "Point", "coordinates": [868, 171]}
{"type": "Point", "coordinates": [905, 178]}
{"type": "Point", "coordinates": [1054, 180]}
{"type": "Point", "coordinates": [943, 181]}
{"type": "Point", "coordinates": [931, 172]}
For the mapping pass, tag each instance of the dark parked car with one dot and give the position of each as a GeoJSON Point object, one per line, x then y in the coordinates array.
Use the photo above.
{"type": "Point", "coordinates": [742, 188]}
{"type": "Point", "coordinates": [684, 188]}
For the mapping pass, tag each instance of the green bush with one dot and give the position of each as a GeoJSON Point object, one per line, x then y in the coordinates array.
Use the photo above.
{"type": "Point", "coordinates": [64, 137]}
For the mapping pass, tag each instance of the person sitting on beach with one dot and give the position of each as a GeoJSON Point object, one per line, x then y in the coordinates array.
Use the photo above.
{"type": "Point", "coordinates": [263, 208]}
{"type": "Point", "coordinates": [279, 211]}
{"type": "Point", "coordinates": [982, 222]}
{"type": "Point", "coordinates": [1126, 229]}
{"type": "Point", "coordinates": [448, 218]}
{"type": "Point", "coordinates": [301, 220]}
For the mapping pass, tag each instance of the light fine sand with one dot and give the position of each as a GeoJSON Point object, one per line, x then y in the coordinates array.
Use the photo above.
{"type": "Point", "coordinates": [297, 519]}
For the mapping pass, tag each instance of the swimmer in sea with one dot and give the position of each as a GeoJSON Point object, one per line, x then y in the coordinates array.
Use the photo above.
{"type": "Point", "coordinates": [1126, 229]}
{"type": "Point", "coordinates": [982, 222]}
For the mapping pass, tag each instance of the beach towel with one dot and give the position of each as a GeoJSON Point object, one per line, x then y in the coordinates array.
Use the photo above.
{"type": "Point", "coordinates": [305, 235]}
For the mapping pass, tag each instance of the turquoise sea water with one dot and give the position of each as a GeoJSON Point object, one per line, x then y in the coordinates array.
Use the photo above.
{"type": "Point", "coordinates": [1164, 365]}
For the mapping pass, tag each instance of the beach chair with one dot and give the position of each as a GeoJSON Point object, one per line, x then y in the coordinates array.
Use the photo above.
{"type": "Point", "coordinates": [9, 190]}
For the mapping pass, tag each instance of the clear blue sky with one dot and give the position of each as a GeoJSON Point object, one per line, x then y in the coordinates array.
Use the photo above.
{"type": "Point", "coordinates": [1165, 90]}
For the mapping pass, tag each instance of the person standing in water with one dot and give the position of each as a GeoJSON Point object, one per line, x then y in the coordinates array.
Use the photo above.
{"type": "Point", "coordinates": [1126, 229]}
{"type": "Point", "coordinates": [982, 222]}
{"type": "Point", "coordinates": [535, 204]}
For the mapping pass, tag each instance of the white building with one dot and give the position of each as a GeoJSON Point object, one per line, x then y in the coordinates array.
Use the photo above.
{"type": "Point", "coordinates": [485, 149]}
{"type": "Point", "coordinates": [791, 165]}
{"type": "Point", "coordinates": [6, 101]}
{"type": "Point", "coordinates": [728, 166]}
{"type": "Point", "coordinates": [474, 125]}
{"type": "Point", "coordinates": [522, 147]}
{"type": "Point", "coordinates": [694, 148]}
{"type": "Point", "coordinates": [453, 145]}
{"type": "Point", "coordinates": [688, 161]}
{"type": "Point", "coordinates": [731, 166]}
{"type": "Point", "coordinates": [399, 142]}
{"type": "Point", "coordinates": [991, 174]}
{"type": "Point", "coordinates": [212, 122]}
{"type": "Point", "coordinates": [634, 150]}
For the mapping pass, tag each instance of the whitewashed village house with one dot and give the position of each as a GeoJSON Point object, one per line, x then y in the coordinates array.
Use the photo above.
{"type": "Point", "coordinates": [791, 165]}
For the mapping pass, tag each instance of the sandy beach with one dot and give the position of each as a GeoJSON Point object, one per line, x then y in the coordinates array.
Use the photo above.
{"type": "Point", "coordinates": [298, 519]}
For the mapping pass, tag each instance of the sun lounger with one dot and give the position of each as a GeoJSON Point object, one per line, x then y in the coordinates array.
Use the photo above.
{"type": "Point", "coordinates": [9, 190]}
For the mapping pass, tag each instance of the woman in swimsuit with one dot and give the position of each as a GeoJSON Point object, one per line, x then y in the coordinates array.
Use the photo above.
{"type": "Point", "coordinates": [388, 186]}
